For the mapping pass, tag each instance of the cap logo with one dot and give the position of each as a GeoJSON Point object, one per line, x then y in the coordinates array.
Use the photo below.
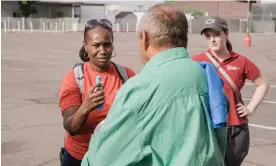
{"type": "Point", "coordinates": [210, 21]}
{"type": "Point", "coordinates": [225, 26]}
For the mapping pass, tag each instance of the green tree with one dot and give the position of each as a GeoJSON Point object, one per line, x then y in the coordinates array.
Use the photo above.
{"type": "Point", "coordinates": [27, 8]}
{"type": "Point", "coordinates": [195, 12]}
{"type": "Point", "coordinates": [173, 3]}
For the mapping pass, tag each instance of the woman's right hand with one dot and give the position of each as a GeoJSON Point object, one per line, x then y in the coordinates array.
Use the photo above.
{"type": "Point", "coordinates": [94, 97]}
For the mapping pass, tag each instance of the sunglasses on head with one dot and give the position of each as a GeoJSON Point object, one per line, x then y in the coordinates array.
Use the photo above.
{"type": "Point", "coordinates": [95, 22]}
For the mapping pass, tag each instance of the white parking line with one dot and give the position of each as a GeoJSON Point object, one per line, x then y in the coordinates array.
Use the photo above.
{"type": "Point", "coordinates": [264, 101]}
{"type": "Point", "coordinates": [262, 140]}
{"type": "Point", "coordinates": [18, 69]}
{"type": "Point", "coordinates": [251, 84]}
{"type": "Point", "coordinates": [262, 127]}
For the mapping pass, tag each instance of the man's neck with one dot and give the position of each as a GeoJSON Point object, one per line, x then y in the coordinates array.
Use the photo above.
{"type": "Point", "coordinates": [155, 51]}
{"type": "Point", "coordinates": [221, 55]}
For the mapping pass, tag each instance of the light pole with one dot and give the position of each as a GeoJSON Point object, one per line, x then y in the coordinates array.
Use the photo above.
{"type": "Point", "coordinates": [247, 38]}
{"type": "Point", "coordinates": [217, 7]}
{"type": "Point", "coordinates": [249, 16]}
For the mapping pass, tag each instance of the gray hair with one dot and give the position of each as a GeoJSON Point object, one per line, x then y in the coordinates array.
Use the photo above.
{"type": "Point", "coordinates": [165, 26]}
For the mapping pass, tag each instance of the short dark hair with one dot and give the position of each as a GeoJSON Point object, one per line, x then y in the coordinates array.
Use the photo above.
{"type": "Point", "coordinates": [165, 25]}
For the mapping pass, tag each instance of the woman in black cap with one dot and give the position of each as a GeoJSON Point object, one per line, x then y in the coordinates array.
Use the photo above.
{"type": "Point", "coordinates": [234, 69]}
{"type": "Point", "coordinates": [81, 96]}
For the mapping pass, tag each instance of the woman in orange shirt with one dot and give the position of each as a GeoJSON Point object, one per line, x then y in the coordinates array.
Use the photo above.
{"type": "Point", "coordinates": [80, 116]}
{"type": "Point", "coordinates": [238, 68]}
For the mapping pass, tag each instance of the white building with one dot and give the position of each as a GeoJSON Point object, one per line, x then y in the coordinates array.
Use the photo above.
{"type": "Point", "coordinates": [58, 9]}
{"type": "Point", "coordinates": [74, 9]}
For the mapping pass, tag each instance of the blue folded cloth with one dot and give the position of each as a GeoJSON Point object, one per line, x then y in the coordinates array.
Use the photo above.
{"type": "Point", "coordinates": [218, 102]}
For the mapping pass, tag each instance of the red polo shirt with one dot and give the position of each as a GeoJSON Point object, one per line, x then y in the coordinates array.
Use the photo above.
{"type": "Point", "coordinates": [239, 68]}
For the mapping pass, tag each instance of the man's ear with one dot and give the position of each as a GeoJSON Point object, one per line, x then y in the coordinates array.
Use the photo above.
{"type": "Point", "coordinates": [145, 40]}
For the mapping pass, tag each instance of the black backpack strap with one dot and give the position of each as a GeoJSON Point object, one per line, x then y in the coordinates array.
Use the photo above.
{"type": "Point", "coordinates": [79, 73]}
{"type": "Point", "coordinates": [121, 71]}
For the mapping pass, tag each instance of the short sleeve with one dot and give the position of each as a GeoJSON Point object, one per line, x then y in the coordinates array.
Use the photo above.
{"type": "Point", "coordinates": [251, 71]}
{"type": "Point", "coordinates": [130, 73]}
{"type": "Point", "coordinates": [196, 58]}
{"type": "Point", "coordinates": [199, 57]}
{"type": "Point", "coordinates": [69, 92]}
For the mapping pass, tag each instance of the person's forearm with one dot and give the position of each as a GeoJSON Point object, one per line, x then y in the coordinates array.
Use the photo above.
{"type": "Point", "coordinates": [258, 96]}
{"type": "Point", "coordinates": [75, 123]}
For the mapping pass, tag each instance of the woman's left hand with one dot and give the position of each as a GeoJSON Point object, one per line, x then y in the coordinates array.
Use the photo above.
{"type": "Point", "coordinates": [243, 110]}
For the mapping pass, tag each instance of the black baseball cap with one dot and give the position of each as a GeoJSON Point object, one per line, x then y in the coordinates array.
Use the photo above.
{"type": "Point", "coordinates": [215, 23]}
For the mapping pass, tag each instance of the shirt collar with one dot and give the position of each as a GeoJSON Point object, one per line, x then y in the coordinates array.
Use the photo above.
{"type": "Point", "coordinates": [231, 55]}
{"type": "Point", "coordinates": [166, 56]}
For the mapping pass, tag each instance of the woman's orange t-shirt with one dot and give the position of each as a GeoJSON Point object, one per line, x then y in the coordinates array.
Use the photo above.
{"type": "Point", "coordinates": [77, 146]}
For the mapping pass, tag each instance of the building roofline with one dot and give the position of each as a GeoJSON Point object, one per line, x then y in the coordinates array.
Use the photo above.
{"type": "Point", "coordinates": [71, 2]}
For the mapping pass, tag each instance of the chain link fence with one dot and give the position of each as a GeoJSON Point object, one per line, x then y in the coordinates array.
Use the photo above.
{"type": "Point", "coordinates": [9, 24]}
{"type": "Point", "coordinates": [237, 25]}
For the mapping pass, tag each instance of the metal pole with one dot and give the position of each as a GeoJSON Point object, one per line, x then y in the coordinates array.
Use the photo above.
{"type": "Point", "coordinates": [59, 24]}
{"type": "Point", "coordinates": [23, 23]}
{"type": "Point", "coordinates": [249, 16]}
{"type": "Point", "coordinates": [62, 26]}
{"type": "Point", "coordinates": [75, 27]}
{"type": "Point", "coordinates": [9, 25]}
{"type": "Point", "coordinates": [5, 26]}
{"type": "Point", "coordinates": [18, 26]}
{"type": "Point", "coordinates": [217, 7]}
{"type": "Point", "coordinates": [240, 27]}
{"type": "Point", "coordinates": [43, 27]}
{"type": "Point", "coordinates": [56, 27]}
{"type": "Point", "coordinates": [31, 27]}
{"type": "Point", "coordinates": [41, 24]}
{"type": "Point", "coordinates": [191, 25]}
{"type": "Point", "coordinates": [127, 26]}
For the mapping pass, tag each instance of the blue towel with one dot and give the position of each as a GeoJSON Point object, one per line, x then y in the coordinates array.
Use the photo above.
{"type": "Point", "coordinates": [218, 102]}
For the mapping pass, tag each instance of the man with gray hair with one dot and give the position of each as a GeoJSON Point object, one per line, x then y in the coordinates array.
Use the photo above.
{"type": "Point", "coordinates": [159, 117]}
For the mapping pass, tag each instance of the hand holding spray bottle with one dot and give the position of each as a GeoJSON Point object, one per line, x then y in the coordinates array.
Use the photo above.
{"type": "Point", "coordinates": [98, 80]}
